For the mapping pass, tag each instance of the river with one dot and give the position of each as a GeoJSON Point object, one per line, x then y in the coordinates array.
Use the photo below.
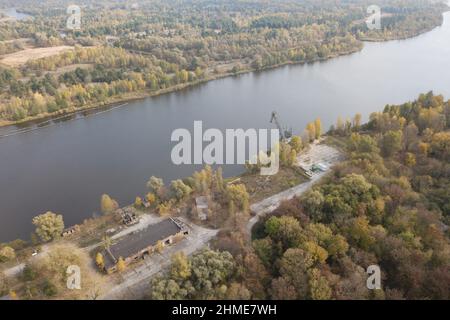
{"type": "Point", "coordinates": [65, 166]}
{"type": "Point", "coordinates": [12, 12]}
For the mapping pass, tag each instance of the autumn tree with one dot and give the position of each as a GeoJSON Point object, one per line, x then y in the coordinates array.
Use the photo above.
{"type": "Point", "coordinates": [219, 180]}
{"type": "Point", "coordinates": [107, 204]}
{"type": "Point", "coordinates": [151, 198]}
{"type": "Point", "coordinates": [48, 226]}
{"type": "Point", "coordinates": [7, 253]}
{"type": "Point", "coordinates": [319, 288]}
{"type": "Point", "coordinates": [138, 202]}
{"type": "Point", "coordinates": [180, 268]}
{"type": "Point", "coordinates": [120, 265]}
{"type": "Point", "coordinates": [440, 145]}
{"type": "Point", "coordinates": [317, 128]}
{"type": "Point", "coordinates": [4, 285]}
{"type": "Point", "coordinates": [357, 121]}
{"type": "Point", "coordinates": [296, 143]}
{"type": "Point", "coordinates": [410, 159]}
{"type": "Point", "coordinates": [311, 129]}
{"type": "Point", "coordinates": [159, 247]}
{"type": "Point", "coordinates": [391, 142]}
{"type": "Point", "coordinates": [99, 261]}
{"type": "Point", "coordinates": [237, 193]}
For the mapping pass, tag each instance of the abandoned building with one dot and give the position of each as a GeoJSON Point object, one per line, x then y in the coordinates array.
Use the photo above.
{"type": "Point", "coordinates": [71, 230]}
{"type": "Point", "coordinates": [128, 216]}
{"type": "Point", "coordinates": [140, 244]}
{"type": "Point", "coordinates": [201, 206]}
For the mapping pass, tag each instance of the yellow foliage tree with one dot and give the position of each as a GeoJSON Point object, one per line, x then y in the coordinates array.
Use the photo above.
{"type": "Point", "coordinates": [99, 261]}
{"type": "Point", "coordinates": [121, 266]}
{"type": "Point", "coordinates": [311, 129]}
{"type": "Point", "coordinates": [138, 202]}
{"type": "Point", "coordinates": [108, 204]}
{"type": "Point", "coordinates": [159, 247]}
{"type": "Point", "coordinates": [151, 198]}
{"type": "Point", "coordinates": [317, 128]}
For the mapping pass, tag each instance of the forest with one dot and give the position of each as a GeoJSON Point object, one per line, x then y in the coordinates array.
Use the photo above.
{"type": "Point", "coordinates": [124, 51]}
{"type": "Point", "coordinates": [386, 204]}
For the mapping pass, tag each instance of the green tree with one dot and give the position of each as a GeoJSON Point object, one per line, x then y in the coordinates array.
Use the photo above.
{"type": "Point", "coordinates": [180, 189]}
{"type": "Point", "coordinates": [156, 185]}
{"type": "Point", "coordinates": [210, 269]}
{"type": "Point", "coordinates": [166, 289]}
{"type": "Point", "coordinates": [285, 229]}
{"type": "Point", "coordinates": [313, 203]}
{"type": "Point", "coordinates": [391, 142]}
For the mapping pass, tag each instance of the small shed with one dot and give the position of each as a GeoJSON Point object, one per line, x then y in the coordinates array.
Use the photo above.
{"type": "Point", "coordinates": [201, 204]}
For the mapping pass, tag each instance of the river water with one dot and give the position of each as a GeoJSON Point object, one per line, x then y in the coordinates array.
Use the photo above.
{"type": "Point", "coordinates": [65, 166]}
{"type": "Point", "coordinates": [12, 12]}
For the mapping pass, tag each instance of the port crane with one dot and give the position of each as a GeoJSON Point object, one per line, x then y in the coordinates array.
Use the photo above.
{"type": "Point", "coordinates": [285, 134]}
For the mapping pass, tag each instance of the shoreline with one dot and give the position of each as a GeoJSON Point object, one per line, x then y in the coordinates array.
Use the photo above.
{"type": "Point", "coordinates": [144, 94]}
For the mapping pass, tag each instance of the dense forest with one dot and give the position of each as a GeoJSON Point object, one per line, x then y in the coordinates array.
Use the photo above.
{"type": "Point", "coordinates": [123, 50]}
{"type": "Point", "coordinates": [387, 204]}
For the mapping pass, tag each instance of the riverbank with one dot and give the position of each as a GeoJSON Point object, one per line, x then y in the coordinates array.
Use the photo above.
{"type": "Point", "coordinates": [406, 37]}
{"type": "Point", "coordinates": [139, 95]}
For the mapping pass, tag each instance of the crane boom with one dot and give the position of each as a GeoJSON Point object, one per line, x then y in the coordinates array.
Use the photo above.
{"type": "Point", "coordinates": [274, 118]}
{"type": "Point", "coordinates": [284, 133]}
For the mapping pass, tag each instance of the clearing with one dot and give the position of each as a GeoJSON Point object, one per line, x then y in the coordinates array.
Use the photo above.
{"type": "Point", "coordinates": [19, 58]}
